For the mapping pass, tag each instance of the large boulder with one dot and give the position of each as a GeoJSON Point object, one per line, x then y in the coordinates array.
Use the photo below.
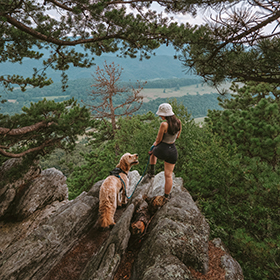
{"type": "Point", "coordinates": [10, 188]}
{"type": "Point", "coordinates": [47, 228]}
{"type": "Point", "coordinates": [33, 191]}
{"type": "Point", "coordinates": [34, 256]}
{"type": "Point", "coordinates": [46, 188]}
{"type": "Point", "coordinates": [105, 263]}
{"type": "Point", "coordinates": [176, 245]}
{"type": "Point", "coordinates": [178, 237]}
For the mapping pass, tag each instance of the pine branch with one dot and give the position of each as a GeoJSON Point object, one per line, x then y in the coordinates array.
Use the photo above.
{"type": "Point", "coordinates": [24, 130]}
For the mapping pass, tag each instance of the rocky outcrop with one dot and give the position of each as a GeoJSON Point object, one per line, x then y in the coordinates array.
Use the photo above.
{"type": "Point", "coordinates": [34, 191]}
{"type": "Point", "coordinates": [104, 264]}
{"type": "Point", "coordinates": [50, 228]}
{"type": "Point", "coordinates": [33, 256]}
{"type": "Point", "coordinates": [10, 189]}
{"type": "Point", "coordinates": [178, 237]}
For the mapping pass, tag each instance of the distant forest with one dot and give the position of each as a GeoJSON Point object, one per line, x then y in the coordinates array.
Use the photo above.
{"type": "Point", "coordinates": [197, 105]}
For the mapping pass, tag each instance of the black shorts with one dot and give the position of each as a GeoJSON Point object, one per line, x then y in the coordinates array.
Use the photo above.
{"type": "Point", "coordinates": [166, 152]}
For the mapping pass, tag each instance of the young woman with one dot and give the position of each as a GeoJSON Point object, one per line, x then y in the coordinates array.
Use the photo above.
{"type": "Point", "coordinates": [164, 146]}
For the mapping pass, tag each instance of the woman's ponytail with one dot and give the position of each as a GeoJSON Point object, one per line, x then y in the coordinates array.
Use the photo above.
{"type": "Point", "coordinates": [173, 124]}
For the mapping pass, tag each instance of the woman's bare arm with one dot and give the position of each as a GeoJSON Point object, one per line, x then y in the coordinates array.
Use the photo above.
{"type": "Point", "coordinates": [162, 129]}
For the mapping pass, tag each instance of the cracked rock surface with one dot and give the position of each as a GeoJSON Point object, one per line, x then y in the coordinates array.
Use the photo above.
{"type": "Point", "coordinates": [45, 236]}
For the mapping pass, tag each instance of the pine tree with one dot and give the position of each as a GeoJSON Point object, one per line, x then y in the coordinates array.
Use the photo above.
{"type": "Point", "coordinates": [41, 128]}
{"type": "Point", "coordinates": [29, 31]}
{"type": "Point", "coordinates": [239, 43]}
{"type": "Point", "coordinates": [250, 121]}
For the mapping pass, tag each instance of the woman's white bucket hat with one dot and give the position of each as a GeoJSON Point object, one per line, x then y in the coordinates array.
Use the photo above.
{"type": "Point", "coordinates": [165, 110]}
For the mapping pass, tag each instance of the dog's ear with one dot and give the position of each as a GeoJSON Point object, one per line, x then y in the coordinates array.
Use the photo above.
{"type": "Point", "coordinates": [123, 165]}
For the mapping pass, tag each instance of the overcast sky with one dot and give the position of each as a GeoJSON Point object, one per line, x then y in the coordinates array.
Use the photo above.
{"type": "Point", "coordinates": [202, 16]}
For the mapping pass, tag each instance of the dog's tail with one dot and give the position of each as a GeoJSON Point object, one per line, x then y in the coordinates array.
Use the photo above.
{"type": "Point", "coordinates": [106, 215]}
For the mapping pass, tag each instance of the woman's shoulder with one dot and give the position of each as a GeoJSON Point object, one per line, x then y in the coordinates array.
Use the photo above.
{"type": "Point", "coordinates": [164, 126]}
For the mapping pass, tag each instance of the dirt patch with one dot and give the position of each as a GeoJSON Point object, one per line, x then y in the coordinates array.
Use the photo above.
{"type": "Point", "coordinates": [215, 271]}
{"type": "Point", "coordinates": [146, 211]}
{"type": "Point", "coordinates": [125, 267]}
{"type": "Point", "coordinates": [73, 263]}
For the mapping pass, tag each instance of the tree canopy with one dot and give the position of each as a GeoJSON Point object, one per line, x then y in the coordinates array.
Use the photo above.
{"type": "Point", "coordinates": [52, 29]}
{"type": "Point", "coordinates": [233, 45]}
{"type": "Point", "coordinates": [230, 46]}
{"type": "Point", "coordinates": [241, 43]}
{"type": "Point", "coordinates": [42, 127]}
{"type": "Point", "coordinates": [249, 123]}
{"type": "Point", "coordinates": [29, 29]}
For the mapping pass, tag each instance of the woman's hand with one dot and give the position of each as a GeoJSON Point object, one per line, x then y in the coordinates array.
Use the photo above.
{"type": "Point", "coordinates": [151, 150]}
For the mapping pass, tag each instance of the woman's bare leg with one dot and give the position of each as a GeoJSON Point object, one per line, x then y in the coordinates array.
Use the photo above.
{"type": "Point", "coordinates": [153, 159]}
{"type": "Point", "coordinates": [168, 170]}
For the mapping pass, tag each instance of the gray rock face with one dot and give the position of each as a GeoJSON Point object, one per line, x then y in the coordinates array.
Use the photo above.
{"type": "Point", "coordinates": [9, 191]}
{"type": "Point", "coordinates": [233, 270]}
{"type": "Point", "coordinates": [50, 226]}
{"type": "Point", "coordinates": [178, 237]}
{"type": "Point", "coordinates": [34, 191]}
{"type": "Point", "coordinates": [105, 263]}
{"type": "Point", "coordinates": [46, 188]}
{"type": "Point", "coordinates": [33, 256]}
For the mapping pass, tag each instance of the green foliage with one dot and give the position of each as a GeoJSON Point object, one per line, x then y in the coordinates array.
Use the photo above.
{"type": "Point", "coordinates": [106, 153]}
{"type": "Point", "coordinates": [99, 162]}
{"type": "Point", "coordinates": [239, 197]}
{"type": "Point", "coordinates": [137, 134]}
{"type": "Point", "coordinates": [42, 127]}
{"type": "Point", "coordinates": [244, 214]}
{"type": "Point", "coordinates": [219, 49]}
{"type": "Point", "coordinates": [250, 122]}
{"type": "Point", "coordinates": [131, 29]}
{"type": "Point", "coordinates": [204, 163]}
{"type": "Point", "coordinates": [235, 184]}
{"type": "Point", "coordinates": [64, 161]}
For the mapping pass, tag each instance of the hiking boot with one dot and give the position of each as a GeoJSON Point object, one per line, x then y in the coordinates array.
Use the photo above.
{"type": "Point", "coordinates": [167, 196]}
{"type": "Point", "coordinates": [151, 171]}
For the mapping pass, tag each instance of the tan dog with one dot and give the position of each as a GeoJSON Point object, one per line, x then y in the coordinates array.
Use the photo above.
{"type": "Point", "coordinates": [110, 188]}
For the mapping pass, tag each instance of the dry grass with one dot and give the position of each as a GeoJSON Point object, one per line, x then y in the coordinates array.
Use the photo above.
{"type": "Point", "coordinates": [154, 93]}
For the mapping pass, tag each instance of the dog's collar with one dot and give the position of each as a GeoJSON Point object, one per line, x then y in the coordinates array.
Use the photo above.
{"type": "Point", "coordinates": [117, 171]}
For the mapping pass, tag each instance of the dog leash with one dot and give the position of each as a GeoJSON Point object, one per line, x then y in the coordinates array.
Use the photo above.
{"type": "Point", "coordinates": [128, 197]}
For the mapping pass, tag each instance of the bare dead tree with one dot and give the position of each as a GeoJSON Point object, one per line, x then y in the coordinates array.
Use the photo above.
{"type": "Point", "coordinates": [105, 91]}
